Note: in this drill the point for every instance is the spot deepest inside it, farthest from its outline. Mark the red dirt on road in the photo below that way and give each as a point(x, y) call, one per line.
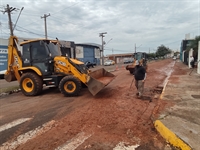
point(114, 115)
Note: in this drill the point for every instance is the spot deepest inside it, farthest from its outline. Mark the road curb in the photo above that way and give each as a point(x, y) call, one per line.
point(171, 137)
point(167, 134)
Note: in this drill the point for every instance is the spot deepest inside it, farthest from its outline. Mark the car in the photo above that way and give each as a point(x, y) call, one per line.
point(112, 62)
point(128, 60)
point(90, 64)
point(109, 62)
point(174, 58)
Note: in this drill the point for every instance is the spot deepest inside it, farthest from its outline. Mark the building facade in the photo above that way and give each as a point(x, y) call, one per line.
point(88, 53)
point(184, 54)
point(3, 55)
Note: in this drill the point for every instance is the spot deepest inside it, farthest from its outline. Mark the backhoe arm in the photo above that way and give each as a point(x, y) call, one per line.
point(14, 60)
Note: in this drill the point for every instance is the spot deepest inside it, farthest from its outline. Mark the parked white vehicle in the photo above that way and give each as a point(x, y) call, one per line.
point(109, 62)
point(174, 58)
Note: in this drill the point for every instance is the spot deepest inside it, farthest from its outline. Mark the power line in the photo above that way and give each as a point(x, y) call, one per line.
point(18, 18)
point(5, 33)
point(28, 31)
point(67, 7)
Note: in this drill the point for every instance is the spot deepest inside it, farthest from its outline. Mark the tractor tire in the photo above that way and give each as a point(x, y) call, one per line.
point(31, 84)
point(70, 86)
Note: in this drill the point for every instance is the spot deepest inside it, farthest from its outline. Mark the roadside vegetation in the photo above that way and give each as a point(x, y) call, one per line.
point(9, 89)
point(161, 52)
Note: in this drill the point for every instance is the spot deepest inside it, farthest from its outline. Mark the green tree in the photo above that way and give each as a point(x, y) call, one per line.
point(194, 45)
point(151, 55)
point(162, 51)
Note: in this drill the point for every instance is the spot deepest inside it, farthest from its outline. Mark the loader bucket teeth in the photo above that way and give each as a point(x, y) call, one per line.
point(98, 80)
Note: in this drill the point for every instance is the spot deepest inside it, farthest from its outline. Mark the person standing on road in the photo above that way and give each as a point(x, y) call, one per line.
point(140, 76)
point(191, 61)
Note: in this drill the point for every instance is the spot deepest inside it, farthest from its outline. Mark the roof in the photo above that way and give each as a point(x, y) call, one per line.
point(33, 40)
point(89, 44)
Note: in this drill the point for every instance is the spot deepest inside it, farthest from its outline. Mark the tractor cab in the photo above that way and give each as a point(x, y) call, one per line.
point(39, 54)
point(142, 57)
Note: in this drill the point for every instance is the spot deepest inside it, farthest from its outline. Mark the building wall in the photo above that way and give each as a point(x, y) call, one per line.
point(88, 53)
point(184, 46)
point(189, 58)
point(3, 55)
point(97, 53)
point(79, 52)
point(68, 47)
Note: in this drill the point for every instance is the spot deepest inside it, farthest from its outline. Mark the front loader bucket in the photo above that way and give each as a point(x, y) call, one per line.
point(10, 77)
point(98, 80)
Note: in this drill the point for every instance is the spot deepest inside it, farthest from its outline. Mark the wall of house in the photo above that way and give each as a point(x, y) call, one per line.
point(88, 53)
point(3, 55)
point(189, 58)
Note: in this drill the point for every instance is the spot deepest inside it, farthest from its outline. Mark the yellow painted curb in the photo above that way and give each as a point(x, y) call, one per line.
point(170, 136)
point(163, 90)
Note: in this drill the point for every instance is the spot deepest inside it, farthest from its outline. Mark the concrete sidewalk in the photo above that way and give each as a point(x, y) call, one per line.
point(180, 124)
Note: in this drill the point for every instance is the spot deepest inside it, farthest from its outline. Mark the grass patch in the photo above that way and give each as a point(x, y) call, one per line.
point(8, 89)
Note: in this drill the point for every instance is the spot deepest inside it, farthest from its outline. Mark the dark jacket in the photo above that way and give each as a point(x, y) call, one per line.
point(139, 72)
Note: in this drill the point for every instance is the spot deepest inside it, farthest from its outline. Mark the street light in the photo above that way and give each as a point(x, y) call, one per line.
point(108, 42)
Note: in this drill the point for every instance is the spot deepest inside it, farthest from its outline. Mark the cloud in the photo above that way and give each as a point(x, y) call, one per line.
point(149, 23)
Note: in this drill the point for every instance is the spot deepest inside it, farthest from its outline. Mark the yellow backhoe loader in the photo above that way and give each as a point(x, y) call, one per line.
point(40, 63)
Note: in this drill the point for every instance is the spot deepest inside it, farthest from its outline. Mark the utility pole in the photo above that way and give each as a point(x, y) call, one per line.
point(102, 51)
point(9, 10)
point(45, 24)
point(135, 50)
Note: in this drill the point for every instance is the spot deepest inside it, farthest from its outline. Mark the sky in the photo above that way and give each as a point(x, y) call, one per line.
point(131, 25)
